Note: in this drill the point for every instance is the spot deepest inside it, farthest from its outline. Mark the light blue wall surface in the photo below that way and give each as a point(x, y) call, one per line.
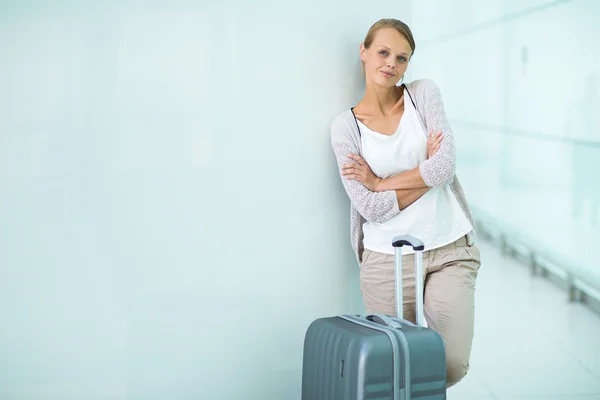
point(171, 214)
point(521, 85)
point(171, 217)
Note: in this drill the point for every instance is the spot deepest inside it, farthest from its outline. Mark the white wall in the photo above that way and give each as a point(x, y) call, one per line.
point(171, 215)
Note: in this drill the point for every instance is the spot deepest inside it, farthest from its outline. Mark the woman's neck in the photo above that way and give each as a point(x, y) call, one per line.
point(379, 101)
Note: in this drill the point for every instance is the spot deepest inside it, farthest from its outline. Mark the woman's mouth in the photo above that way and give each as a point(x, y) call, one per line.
point(387, 74)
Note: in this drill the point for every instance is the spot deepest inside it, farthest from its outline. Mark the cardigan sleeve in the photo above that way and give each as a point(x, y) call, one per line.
point(373, 206)
point(438, 170)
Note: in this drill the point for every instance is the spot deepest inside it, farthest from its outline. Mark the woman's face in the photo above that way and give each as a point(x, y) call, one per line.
point(387, 58)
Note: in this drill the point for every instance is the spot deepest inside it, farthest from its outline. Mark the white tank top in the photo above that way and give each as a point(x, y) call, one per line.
point(436, 218)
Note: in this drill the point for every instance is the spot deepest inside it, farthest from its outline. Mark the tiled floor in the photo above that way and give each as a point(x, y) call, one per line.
point(530, 343)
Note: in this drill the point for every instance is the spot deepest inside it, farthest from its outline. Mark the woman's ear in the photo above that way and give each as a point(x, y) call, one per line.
point(362, 52)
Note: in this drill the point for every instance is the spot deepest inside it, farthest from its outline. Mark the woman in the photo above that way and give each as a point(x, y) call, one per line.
point(396, 156)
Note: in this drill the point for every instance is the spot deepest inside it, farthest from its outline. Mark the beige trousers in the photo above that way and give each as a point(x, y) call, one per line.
point(449, 299)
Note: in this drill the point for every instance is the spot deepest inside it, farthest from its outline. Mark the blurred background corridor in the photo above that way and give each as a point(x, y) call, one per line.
point(172, 218)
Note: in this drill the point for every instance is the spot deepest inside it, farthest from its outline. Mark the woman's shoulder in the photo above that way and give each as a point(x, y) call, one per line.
point(345, 115)
point(343, 119)
point(422, 86)
point(343, 124)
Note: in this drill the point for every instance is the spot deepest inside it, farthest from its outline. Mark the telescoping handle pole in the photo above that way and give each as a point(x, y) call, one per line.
point(398, 242)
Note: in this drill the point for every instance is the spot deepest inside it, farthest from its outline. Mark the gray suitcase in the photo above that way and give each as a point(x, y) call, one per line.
point(374, 356)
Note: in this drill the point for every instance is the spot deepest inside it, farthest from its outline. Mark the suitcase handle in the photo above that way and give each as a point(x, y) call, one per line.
point(418, 246)
point(383, 320)
point(408, 240)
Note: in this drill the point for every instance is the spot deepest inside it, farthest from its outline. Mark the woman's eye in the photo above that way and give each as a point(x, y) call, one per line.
point(401, 59)
point(383, 52)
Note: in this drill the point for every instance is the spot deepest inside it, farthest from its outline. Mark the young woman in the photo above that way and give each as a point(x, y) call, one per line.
point(396, 157)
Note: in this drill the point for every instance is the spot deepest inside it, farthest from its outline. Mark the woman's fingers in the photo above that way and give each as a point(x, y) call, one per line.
point(354, 172)
point(356, 177)
point(352, 168)
point(434, 137)
point(356, 158)
point(351, 165)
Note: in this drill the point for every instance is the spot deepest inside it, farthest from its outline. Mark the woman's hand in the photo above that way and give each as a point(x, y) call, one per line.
point(360, 171)
point(433, 143)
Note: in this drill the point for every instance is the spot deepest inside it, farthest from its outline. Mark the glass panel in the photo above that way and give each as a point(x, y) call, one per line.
point(523, 96)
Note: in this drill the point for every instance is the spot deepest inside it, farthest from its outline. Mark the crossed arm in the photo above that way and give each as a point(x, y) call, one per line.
point(409, 185)
point(406, 197)
point(361, 184)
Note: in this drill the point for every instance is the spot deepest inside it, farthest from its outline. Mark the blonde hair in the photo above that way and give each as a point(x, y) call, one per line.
point(400, 26)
